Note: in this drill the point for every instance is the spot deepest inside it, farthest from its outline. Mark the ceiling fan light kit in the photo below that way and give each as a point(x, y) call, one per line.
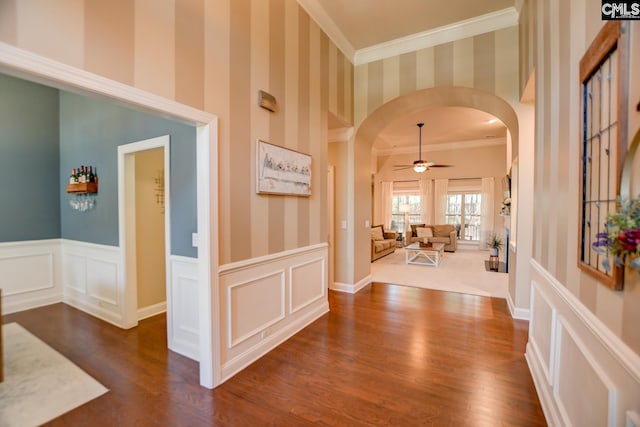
point(420, 165)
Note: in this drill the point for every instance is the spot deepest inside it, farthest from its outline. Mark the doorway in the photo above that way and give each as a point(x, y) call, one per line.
point(144, 249)
point(29, 66)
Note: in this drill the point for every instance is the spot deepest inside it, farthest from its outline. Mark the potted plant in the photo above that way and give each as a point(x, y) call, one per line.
point(494, 244)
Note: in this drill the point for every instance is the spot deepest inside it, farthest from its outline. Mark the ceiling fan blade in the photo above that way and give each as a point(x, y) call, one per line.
point(402, 167)
point(441, 166)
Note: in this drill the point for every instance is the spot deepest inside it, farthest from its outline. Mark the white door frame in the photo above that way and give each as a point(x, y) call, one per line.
point(331, 186)
point(127, 227)
point(30, 66)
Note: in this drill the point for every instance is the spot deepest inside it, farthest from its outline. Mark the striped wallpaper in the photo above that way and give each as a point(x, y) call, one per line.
point(488, 62)
point(214, 55)
point(562, 34)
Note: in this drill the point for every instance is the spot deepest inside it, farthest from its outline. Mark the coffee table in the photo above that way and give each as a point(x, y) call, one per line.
point(431, 255)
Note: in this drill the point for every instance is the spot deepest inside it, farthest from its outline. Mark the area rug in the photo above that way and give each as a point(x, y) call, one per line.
point(39, 383)
point(462, 271)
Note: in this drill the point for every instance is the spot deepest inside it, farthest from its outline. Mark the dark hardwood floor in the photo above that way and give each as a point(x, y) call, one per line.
point(389, 355)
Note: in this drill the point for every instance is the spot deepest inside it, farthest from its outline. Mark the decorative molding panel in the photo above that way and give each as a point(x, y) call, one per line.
point(93, 280)
point(584, 374)
point(182, 299)
point(30, 274)
point(542, 333)
point(254, 305)
point(255, 317)
point(577, 366)
point(311, 273)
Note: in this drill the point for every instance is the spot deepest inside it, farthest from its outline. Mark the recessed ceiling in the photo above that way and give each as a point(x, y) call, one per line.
point(441, 125)
point(365, 23)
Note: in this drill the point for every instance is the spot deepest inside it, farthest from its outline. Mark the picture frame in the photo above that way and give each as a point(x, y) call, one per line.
point(282, 171)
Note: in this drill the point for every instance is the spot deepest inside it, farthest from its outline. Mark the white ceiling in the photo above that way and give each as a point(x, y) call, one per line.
point(364, 24)
point(442, 125)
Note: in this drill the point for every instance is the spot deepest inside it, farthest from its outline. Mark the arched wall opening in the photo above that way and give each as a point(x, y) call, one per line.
point(380, 119)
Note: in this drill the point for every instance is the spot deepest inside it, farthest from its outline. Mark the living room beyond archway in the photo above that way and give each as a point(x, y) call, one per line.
point(409, 105)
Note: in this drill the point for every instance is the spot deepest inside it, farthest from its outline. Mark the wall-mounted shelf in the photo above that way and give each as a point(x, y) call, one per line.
point(82, 188)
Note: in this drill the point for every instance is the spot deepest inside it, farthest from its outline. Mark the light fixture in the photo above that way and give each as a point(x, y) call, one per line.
point(419, 166)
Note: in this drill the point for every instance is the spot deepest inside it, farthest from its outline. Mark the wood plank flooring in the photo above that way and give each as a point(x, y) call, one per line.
point(389, 355)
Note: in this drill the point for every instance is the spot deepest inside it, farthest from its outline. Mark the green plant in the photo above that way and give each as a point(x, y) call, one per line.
point(622, 238)
point(495, 242)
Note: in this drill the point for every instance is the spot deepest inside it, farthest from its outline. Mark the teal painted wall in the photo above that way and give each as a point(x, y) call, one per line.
point(90, 132)
point(29, 158)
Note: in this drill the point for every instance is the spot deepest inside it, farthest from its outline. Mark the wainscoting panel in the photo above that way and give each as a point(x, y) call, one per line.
point(584, 374)
point(266, 300)
point(182, 300)
point(93, 279)
point(101, 278)
point(311, 274)
point(577, 366)
point(542, 331)
point(254, 305)
point(29, 274)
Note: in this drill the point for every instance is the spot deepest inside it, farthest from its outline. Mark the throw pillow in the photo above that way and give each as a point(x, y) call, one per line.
point(414, 227)
point(376, 233)
point(424, 232)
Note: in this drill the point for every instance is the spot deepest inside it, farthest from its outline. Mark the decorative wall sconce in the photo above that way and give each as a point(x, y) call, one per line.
point(267, 101)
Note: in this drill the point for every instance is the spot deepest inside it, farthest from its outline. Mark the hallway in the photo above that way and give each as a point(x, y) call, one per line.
point(389, 355)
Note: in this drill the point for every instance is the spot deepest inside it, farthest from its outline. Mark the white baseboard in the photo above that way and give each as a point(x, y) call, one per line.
point(152, 310)
point(352, 288)
point(517, 313)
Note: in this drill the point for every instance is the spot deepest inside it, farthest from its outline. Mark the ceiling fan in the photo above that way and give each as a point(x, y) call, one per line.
point(420, 165)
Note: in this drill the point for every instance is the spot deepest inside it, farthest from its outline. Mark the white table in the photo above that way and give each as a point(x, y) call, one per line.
point(414, 254)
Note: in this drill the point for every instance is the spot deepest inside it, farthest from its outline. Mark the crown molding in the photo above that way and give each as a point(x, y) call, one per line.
point(460, 30)
point(340, 134)
point(445, 146)
point(318, 14)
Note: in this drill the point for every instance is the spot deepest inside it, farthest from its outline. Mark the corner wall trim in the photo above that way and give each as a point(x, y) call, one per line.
point(517, 313)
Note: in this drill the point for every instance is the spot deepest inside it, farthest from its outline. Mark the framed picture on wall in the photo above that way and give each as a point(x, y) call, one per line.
point(282, 171)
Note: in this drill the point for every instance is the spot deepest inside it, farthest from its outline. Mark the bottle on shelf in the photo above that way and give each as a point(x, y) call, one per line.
point(92, 177)
point(72, 177)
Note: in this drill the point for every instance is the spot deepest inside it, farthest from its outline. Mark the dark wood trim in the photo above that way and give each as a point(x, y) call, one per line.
point(605, 42)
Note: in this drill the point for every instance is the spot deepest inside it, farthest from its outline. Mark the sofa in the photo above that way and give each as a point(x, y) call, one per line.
point(444, 233)
point(382, 242)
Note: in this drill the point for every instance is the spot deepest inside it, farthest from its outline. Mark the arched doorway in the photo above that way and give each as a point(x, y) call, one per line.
point(407, 104)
